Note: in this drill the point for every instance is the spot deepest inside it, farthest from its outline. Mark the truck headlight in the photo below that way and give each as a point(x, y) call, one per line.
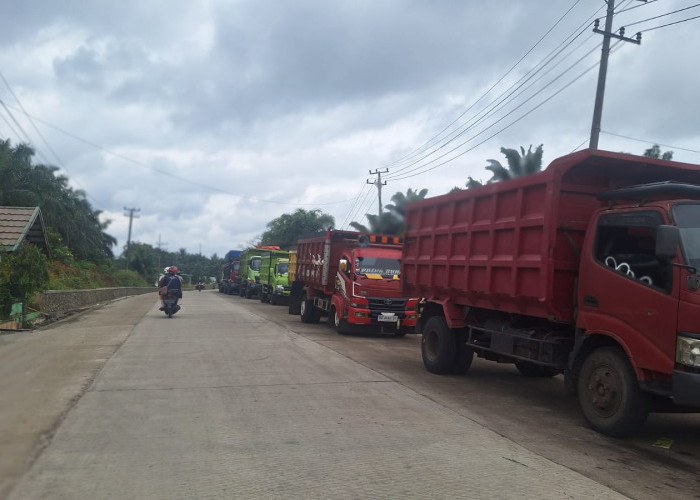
point(279, 288)
point(688, 351)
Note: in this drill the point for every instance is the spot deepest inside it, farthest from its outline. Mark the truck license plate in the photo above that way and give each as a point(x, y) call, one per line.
point(387, 317)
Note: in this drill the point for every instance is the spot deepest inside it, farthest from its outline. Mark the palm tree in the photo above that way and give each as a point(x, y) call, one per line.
point(519, 164)
point(392, 221)
point(655, 152)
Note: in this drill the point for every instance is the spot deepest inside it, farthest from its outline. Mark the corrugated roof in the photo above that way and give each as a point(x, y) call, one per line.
point(18, 224)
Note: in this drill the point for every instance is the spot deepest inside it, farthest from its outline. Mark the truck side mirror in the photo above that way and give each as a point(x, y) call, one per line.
point(667, 240)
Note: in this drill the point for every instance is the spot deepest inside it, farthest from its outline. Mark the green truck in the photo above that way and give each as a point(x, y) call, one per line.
point(274, 285)
point(250, 270)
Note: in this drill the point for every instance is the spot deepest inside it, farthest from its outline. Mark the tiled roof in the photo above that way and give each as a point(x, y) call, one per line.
point(21, 223)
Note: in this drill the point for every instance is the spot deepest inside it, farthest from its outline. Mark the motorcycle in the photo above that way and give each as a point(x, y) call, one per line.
point(170, 306)
point(199, 287)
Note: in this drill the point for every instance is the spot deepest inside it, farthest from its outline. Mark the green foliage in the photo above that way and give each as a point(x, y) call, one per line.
point(392, 221)
point(519, 165)
point(22, 273)
point(68, 216)
point(655, 152)
point(286, 229)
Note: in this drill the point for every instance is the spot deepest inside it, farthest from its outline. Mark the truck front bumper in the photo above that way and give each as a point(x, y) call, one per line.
point(403, 319)
point(686, 388)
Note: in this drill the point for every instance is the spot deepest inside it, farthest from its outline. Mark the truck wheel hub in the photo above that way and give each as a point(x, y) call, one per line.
point(603, 391)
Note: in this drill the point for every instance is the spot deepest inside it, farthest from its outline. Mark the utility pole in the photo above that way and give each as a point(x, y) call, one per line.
point(160, 251)
point(128, 240)
point(603, 68)
point(379, 184)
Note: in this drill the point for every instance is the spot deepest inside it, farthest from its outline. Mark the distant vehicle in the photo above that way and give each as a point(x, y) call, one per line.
point(274, 268)
point(250, 270)
point(577, 270)
point(354, 279)
point(230, 281)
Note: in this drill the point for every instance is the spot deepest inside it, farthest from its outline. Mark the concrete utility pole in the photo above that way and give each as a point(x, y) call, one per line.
point(160, 250)
point(131, 217)
point(603, 68)
point(379, 184)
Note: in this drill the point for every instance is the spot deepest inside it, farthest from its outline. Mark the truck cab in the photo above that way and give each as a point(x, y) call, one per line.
point(639, 285)
point(250, 273)
point(368, 281)
point(274, 285)
point(587, 269)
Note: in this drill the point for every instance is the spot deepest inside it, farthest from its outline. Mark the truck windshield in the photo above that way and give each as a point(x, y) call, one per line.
point(687, 217)
point(255, 263)
point(385, 267)
point(282, 268)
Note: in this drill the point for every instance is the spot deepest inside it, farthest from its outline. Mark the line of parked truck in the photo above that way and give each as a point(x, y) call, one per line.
point(589, 269)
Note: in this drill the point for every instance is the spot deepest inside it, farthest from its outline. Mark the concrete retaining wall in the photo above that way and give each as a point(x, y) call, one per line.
point(57, 303)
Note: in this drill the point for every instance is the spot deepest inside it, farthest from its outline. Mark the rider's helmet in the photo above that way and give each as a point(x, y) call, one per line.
point(172, 270)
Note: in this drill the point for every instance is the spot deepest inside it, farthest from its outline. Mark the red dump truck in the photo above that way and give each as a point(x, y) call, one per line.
point(354, 279)
point(589, 268)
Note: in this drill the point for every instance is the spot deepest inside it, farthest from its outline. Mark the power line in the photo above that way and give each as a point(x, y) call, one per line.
point(433, 140)
point(663, 15)
point(504, 128)
point(500, 102)
point(172, 175)
point(499, 120)
point(669, 24)
point(651, 142)
point(498, 106)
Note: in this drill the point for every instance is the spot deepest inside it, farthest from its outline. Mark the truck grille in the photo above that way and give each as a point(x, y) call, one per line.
point(379, 304)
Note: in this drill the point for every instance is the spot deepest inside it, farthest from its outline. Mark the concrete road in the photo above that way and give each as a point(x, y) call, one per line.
point(232, 398)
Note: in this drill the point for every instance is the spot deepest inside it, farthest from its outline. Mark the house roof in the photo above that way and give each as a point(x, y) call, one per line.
point(18, 224)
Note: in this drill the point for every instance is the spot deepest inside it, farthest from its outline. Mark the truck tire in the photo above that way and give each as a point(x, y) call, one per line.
point(609, 393)
point(465, 354)
point(241, 291)
point(273, 299)
point(438, 346)
point(249, 292)
point(528, 369)
point(335, 321)
point(309, 312)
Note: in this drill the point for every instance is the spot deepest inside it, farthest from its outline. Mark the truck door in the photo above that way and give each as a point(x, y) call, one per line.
point(625, 291)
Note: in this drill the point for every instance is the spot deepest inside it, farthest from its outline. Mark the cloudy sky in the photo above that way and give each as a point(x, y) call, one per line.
point(214, 117)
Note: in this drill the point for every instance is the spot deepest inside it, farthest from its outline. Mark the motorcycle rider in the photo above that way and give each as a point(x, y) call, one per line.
point(171, 281)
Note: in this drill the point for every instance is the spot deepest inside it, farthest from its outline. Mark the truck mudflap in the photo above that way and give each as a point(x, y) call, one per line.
point(686, 388)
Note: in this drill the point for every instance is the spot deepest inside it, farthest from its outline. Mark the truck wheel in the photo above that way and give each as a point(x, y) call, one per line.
point(438, 346)
point(609, 394)
point(335, 321)
point(273, 299)
point(308, 311)
point(294, 304)
point(241, 291)
point(465, 354)
point(528, 369)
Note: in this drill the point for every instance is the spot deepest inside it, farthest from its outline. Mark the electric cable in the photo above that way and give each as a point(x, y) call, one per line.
point(435, 137)
point(172, 175)
point(495, 103)
point(507, 126)
point(412, 171)
point(650, 142)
